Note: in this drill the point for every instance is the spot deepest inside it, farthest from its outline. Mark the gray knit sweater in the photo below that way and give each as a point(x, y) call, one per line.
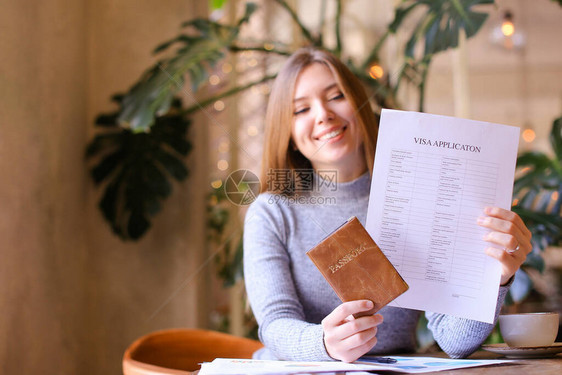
point(290, 297)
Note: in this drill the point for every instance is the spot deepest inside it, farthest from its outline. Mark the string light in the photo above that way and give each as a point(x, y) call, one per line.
point(528, 135)
point(506, 35)
point(222, 165)
point(252, 130)
point(219, 105)
point(214, 80)
point(253, 62)
point(226, 68)
point(268, 46)
point(216, 184)
point(376, 71)
point(508, 28)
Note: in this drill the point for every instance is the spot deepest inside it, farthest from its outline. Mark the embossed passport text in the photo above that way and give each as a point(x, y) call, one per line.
point(356, 268)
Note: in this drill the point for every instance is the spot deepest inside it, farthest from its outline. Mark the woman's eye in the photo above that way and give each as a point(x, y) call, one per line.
point(300, 110)
point(337, 97)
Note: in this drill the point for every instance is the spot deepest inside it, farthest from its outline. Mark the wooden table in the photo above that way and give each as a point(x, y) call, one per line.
point(536, 366)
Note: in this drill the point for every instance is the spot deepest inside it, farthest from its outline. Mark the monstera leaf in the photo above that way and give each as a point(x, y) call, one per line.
point(441, 24)
point(152, 95)
point(438, 28)
point(539, 187)
point(137, 167)
point(538, 196)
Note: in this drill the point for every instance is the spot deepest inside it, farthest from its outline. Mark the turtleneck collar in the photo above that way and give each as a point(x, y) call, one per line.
point(327, 186)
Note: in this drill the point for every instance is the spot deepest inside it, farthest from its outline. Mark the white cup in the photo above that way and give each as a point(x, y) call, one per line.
point(527, 330)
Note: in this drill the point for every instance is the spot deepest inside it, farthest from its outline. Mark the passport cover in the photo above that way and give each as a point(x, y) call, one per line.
point(356, 268)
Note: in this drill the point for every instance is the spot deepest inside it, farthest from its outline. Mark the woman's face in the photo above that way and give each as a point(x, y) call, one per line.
point(324, 127)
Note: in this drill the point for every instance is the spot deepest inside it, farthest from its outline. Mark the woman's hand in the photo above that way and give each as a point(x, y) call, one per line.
point(347, 338)
point(509, 232)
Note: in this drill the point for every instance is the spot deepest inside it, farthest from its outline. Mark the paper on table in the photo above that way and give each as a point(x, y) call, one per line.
point(406, 365)
point(432, 177)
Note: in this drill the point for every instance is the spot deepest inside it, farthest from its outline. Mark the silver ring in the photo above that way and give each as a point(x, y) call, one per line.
point(511, 251)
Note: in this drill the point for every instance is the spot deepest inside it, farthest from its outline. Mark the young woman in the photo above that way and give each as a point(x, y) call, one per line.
point(316, 173)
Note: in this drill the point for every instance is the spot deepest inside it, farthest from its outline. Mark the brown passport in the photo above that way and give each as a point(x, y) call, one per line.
point(356, 268)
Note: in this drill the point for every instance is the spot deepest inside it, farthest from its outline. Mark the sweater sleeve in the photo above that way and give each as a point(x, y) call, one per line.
point(460, 337)
point(271, 290)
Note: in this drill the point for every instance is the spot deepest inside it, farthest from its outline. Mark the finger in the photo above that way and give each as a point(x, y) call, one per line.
point(355, 326)
point(359, 338)
point(509, 216)
point(510, 263)
point(504, 226)
point(501, 225)
point(504, 240)
point(516, 258)
point(339, 314)
point(509, 242)
point(353, 354)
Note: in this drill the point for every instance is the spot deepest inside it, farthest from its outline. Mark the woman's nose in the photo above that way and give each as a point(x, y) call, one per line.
point(324, 114)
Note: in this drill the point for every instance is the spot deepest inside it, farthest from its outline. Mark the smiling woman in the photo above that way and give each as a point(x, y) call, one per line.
point(320, 144)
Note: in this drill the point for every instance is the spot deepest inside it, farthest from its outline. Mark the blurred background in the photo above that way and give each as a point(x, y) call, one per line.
point(84, 272)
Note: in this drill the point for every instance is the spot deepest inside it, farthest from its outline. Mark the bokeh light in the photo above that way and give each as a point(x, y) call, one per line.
point(376, 71)
point(528, 135)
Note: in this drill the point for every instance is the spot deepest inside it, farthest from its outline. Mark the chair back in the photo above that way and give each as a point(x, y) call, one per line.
point(180, 351)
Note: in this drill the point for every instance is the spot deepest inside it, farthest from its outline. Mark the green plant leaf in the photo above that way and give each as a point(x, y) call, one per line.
point(438, 28)
point(401, 13)
point(539, 187)
point(154, 181)
point(556, 142)
point(137, 225)
point(216, 4)
point(137, 169)
point(536, 261)
point(521, 287)
point(172, 164)
point(108, 202)
point(168, 131)
point(250, 9)
point(106, 120)
point(107, 165)
point(182, 38)
point(534, 159)
point(424, 336)
point(106, 141)
point(151, 96)
point(238, 261)
point(546, 228)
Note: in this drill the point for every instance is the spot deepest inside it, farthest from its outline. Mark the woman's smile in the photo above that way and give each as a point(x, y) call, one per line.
point(329, 135)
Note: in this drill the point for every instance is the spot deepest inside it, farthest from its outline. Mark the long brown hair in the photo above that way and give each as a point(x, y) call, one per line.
point(278, 153)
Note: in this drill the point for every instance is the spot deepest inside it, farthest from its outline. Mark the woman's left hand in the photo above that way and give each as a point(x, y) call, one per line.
point(509, 232)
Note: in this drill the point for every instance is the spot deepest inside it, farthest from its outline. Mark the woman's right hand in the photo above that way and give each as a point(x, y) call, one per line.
point(347, 338)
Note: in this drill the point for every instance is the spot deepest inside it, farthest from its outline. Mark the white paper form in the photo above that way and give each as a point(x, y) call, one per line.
point(432, 177)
